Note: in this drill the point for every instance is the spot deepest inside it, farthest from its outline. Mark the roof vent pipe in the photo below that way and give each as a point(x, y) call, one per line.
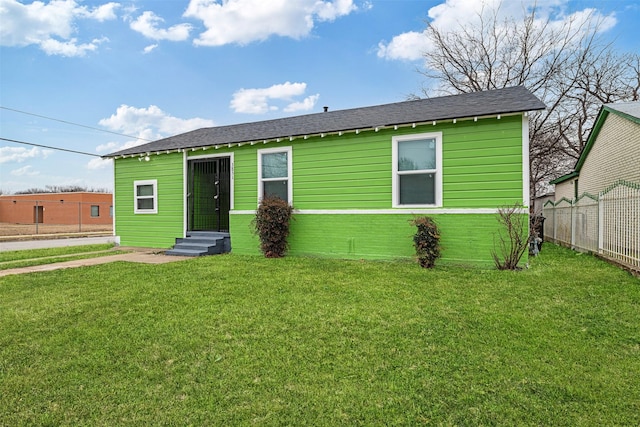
point(325, 108)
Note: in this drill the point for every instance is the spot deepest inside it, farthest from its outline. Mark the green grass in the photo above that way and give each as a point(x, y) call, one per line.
point(52, 252)
point(28, 258)
point(234, 340)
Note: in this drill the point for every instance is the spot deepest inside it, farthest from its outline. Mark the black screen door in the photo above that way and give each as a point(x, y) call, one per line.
point(209, 194)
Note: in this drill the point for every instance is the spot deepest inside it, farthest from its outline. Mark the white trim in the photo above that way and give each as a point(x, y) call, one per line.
point(231, 180)
point(289, 150)
point(113, 198)
point(229, 154)
point(185, 188)
point(208, 156)
point(526, 191)
point(395, 179)
point(436, 211)
point(154, 183)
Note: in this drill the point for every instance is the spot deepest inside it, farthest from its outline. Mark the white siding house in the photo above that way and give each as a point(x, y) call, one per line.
point(597, 205)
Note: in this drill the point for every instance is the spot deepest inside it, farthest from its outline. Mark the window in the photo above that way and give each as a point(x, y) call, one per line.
point(417, 170)
point(145, 195)
point(274, 173)
point(95, 211)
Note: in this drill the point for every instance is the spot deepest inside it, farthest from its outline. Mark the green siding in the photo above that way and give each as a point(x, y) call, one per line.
point(467, 239)
point(150, 230)
point(482, 167)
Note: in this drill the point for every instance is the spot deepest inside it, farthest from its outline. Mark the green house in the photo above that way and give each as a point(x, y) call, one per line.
point(355, 178)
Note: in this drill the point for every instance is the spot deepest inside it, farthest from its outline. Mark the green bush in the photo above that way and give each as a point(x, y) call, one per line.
point(272, 226)
point(426, 241)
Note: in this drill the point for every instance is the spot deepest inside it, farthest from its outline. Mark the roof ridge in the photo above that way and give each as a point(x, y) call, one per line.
point(514, 99)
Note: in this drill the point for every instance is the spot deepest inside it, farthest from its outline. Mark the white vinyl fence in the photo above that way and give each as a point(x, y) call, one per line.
point(608, 224)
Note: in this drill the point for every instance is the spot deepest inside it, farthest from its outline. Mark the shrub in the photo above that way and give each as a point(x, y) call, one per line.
point(272, 226)
point(512, 239)
point(426, 241)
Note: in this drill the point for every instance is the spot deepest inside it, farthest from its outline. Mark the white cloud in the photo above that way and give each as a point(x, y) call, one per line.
point(50, 25)
point(605, 23)
point(406, 46)
point(108, 147)
point(256, 101)
point(330, 10)
point(149, 48)
point(305, 105)
point(246, 21)
point(21, 154)
point(147, 25)
point(451, 15)
point(69, 48)
point(102, 13)
point(98, 163)
point(24, 171)
point(147, 124)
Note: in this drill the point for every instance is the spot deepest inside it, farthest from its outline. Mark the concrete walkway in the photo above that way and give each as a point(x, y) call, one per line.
point(141, 256)
point(54, 243)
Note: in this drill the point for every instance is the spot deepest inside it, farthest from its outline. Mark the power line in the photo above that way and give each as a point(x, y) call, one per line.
point(72, 123)
point(52, 148)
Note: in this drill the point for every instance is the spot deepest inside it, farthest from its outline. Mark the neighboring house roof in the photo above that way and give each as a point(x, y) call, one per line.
point(500, 101)
point(627, 110)
point(550, 194)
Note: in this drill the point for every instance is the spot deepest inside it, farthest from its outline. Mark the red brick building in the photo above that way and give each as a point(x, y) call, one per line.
point(57, 208)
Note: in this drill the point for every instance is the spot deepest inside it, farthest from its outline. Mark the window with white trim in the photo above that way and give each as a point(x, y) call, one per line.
point(417, 170)
point(274, 173)
point(145, 196)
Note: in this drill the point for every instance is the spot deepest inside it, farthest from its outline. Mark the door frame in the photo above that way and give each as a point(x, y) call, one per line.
point(185, 168)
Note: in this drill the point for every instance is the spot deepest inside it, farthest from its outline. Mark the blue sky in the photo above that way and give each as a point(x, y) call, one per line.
point(155, 68)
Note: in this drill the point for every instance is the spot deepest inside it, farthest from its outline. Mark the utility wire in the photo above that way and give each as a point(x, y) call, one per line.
point(71, 123)
point(52, 148)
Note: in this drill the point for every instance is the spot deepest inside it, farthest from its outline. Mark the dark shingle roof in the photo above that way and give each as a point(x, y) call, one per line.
point(476, 104)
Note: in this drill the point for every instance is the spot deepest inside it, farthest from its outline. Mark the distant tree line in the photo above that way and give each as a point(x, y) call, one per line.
point(61, 189)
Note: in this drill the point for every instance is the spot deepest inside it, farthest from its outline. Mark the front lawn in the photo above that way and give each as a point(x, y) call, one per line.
point(235, 340)
point(29, 258)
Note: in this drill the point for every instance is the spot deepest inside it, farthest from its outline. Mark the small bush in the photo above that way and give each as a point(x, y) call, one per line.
point(426, 241)
point(272, 226)
point(513, 238)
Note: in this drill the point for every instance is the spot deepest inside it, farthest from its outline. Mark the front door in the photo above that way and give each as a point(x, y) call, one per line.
point(209, 194)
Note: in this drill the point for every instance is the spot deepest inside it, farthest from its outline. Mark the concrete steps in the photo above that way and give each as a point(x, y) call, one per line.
point(201, 243)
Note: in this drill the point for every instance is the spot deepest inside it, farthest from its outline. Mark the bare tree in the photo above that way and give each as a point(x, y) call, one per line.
point(62, 189)
point(565, 63)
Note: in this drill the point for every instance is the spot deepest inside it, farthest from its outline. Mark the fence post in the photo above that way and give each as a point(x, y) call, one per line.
point(79, 216)
point(600, 223)
point(572, 238)
point(554, 222)
point(37, 217)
